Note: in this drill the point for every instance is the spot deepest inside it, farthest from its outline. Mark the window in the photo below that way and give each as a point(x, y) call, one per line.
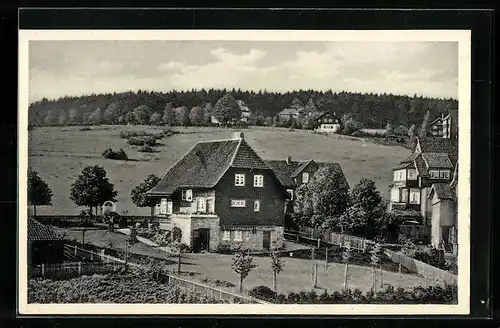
point(187, 195)
point(201, 205)
point(412, 174)
point(238, 203)
point(238, 235)
point(226, 235)
point(434, 174)
point(414, 196)
point(444, 174)
point(256, 206)
point(239, 179)
point(163, 206)
point(290, 194)
point(395, 195)
point(305, 177)
point(330, 120)
point(170, 207)
point(404, 196)
point(258, 180)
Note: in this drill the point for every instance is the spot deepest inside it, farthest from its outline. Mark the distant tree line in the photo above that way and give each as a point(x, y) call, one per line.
point(195, 107)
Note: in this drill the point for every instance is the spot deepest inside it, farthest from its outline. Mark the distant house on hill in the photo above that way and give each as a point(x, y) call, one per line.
point(292, 174)
point(289, 113)
point(221, 193)
point(245, 111)
point(445, 126)
point(44, 244)
point(328, 122)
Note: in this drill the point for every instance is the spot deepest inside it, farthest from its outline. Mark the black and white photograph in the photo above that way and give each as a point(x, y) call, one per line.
point(244, 172)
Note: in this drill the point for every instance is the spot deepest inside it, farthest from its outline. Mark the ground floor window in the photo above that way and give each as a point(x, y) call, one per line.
point(414, 196)
point(226, 235)
point(238, 235)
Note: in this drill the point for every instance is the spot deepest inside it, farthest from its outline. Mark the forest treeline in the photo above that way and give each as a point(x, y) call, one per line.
point(193, 107)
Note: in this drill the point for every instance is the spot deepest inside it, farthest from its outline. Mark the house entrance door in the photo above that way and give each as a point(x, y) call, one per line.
point(266, 240)
point(201, 239)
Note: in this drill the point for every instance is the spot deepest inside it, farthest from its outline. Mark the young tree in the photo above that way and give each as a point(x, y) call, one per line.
point(276, 121)
point(268, 121)
point(138, 194)
point(196, 115)
point(277, 265)
point(389, 128)
point(226, 109)
point(142, 114)
point(63, 117)
point(92, 188)
point(39, 192)
point(155, 119)
point(49, 119)
point(207, 114)
point(96, 117)
point(130, 118)
point(320, 202)
point(346, 256)
point(74, 116)
point(182, 115)
point(242, 265)
point(422, 133)
point(376, 253)
point(169, 114)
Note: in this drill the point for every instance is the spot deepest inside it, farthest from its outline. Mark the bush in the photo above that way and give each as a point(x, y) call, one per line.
point(133, 134)
point(86, 128)
point(115, 154)
point(142, 141)
point(218, 283)
point(147, 149)
point(169, 132)
point(262, 292)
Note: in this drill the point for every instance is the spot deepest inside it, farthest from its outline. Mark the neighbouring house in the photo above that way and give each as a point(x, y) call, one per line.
point(221, 193)
point(328, 122)
point(289, 113)
point(245, 111)
point(427, 170)
point(293, 174)
point(445, 126)
point(45, 245)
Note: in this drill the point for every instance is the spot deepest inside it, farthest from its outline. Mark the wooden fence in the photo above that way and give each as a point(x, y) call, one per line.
point(69, 270)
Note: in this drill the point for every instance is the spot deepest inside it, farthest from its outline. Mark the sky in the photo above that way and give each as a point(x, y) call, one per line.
point(74, 68)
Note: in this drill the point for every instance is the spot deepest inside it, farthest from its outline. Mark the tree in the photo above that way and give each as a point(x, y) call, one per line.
point(242, 265)
point(138, 194)
point(92, 188)
point(320, 202)
point(95, 117)
point(389, 129)
point(226, 109)
point(351, 126)
point(182, 115)
point(346, 256)
point(207, 114)
point(111, 114)
point(63, 118)
point(49, 118)
point(155, 119)
point(268, 121)
point(74, 116)
point(196, 115)
point(276, 121)
point(277, 265)
point(130, 118)
point(39, 192)
point(142, 114)
point(376, 253)
point(169, 114)
point(422, 133)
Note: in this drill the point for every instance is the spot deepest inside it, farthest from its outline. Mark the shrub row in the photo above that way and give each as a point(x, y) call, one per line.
point(142, 141)
point(115, 154)
point(389, 295)
point(156, 135)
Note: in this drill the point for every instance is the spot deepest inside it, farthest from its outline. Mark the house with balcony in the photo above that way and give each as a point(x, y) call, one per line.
point(328, 123)
point(222, 193)
point(292, 174)
point(431, 166)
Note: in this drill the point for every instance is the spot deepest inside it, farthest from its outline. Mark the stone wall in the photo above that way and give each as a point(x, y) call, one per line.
point(255, 238)
point(211, 223)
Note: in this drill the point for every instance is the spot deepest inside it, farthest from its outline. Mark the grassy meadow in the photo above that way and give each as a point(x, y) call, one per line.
point(60, 153)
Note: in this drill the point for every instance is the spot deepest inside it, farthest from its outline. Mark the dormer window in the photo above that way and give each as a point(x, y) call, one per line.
point(239, 180)
point(305, 177)
point(187, 195)
point(444, 174)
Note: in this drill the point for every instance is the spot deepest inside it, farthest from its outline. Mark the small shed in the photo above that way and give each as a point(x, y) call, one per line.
point(45, 245)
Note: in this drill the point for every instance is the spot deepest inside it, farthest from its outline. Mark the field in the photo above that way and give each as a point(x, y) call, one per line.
point(60, 153)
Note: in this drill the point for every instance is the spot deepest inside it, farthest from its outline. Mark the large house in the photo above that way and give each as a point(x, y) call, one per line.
point(328, 122)
point(426, 174)
point(445, 126)
point(222, 193)
point(292, 174)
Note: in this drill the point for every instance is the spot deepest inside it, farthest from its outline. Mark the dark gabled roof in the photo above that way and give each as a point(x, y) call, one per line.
point(205, 164)
point(440, 118)
point(437, 160)
point(420, 165)
point(283, 171)
point(41, 232)
point(321, 114)
point(442, 190)
point(438, 145)
point(301, 167)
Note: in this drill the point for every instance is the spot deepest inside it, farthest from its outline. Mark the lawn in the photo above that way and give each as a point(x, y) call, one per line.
point(60, 153)
point(296, 276)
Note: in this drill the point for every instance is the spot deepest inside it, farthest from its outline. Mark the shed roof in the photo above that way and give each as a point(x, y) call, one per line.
point(40, 232)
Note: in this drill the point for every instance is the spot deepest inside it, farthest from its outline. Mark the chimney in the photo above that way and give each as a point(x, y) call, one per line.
point(238, 135)
point(288, 160)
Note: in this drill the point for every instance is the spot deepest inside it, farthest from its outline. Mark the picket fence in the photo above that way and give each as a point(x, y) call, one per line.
point(103, 263)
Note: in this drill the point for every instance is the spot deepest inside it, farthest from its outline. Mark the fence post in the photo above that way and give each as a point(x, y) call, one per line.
point(91, 257)
point(312, 253)
point(75, 250)
point(319, 242)
point(297, 237)
point(43, 270)
point(79, 268)
point(326, 257)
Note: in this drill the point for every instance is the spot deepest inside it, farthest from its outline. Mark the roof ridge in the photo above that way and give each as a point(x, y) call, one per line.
point(235, 152)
